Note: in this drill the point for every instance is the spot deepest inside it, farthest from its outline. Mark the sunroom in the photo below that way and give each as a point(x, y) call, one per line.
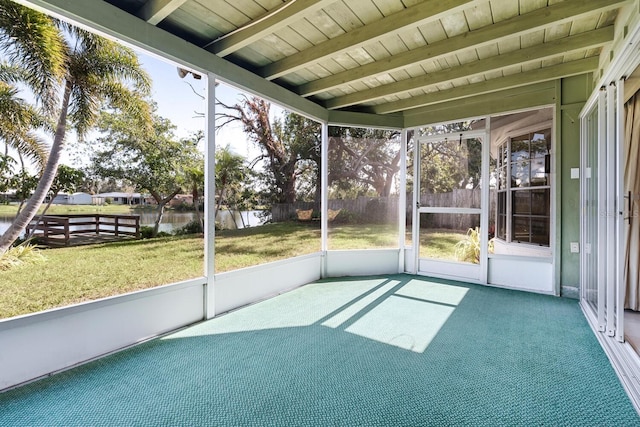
point(533, 99)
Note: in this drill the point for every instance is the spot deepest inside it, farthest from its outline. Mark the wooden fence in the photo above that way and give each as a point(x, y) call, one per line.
point(72, 229)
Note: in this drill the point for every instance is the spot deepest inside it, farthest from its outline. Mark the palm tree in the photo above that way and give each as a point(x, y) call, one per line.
point(87, 69)
point(231, 172)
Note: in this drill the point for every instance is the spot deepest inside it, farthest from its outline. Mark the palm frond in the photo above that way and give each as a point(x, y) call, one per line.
point(32, 41)
point(17, 121)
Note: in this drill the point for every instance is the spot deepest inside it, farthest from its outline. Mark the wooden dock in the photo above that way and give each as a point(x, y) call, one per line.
point(83, 229)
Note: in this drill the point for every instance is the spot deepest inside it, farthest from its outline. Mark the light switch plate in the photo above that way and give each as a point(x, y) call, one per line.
point(575, 173)
point(575, 247)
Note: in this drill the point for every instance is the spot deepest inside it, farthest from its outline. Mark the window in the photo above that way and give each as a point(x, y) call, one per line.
point(523, 211)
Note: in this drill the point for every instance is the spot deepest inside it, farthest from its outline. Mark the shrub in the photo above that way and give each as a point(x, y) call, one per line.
point(346, 217)
point(192, 227)
point(468, 249)
point(24, 253)
point(146, 232)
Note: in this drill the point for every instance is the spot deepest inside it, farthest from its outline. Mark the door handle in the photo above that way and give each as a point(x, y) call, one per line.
point(629, 207)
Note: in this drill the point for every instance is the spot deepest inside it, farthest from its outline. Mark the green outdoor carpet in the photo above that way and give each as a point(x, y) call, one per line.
point(376, 351)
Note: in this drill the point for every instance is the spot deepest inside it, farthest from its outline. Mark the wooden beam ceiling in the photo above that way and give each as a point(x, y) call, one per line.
point(518, 25)
point(273, 21)
point(401, 74)
point(406, 18)
point(154, 11)
point(547, 50)
point(554, 72)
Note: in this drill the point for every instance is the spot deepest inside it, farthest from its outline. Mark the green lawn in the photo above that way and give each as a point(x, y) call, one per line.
point(83, 273)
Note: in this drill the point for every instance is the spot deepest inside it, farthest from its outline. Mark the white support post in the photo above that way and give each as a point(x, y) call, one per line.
point(402, 201)
point(415, 218)
point(602, 207)
point(485, 205)
point(620, 221)
point(209, 196)
point(611, 208)
point(324, 195)
point(584, 150)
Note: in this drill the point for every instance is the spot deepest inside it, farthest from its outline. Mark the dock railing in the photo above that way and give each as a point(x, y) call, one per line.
point(57, 230)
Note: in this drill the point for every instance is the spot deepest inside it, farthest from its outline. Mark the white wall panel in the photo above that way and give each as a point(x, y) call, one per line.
point(38, 344)
point(362, 262)
point(527, 274)
point(248, 285)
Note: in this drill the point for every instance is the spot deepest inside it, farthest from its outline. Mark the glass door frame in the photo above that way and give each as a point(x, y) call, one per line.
point(608, 315)
point(452, 269)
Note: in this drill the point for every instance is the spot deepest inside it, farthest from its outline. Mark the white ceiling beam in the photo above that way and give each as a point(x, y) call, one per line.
point(518, 25)
point(272, 21)
point(154, 11)
point(410, 17)
point(563, 46)
point(554, 72)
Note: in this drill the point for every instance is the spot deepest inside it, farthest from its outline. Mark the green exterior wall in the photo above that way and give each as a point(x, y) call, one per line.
point(574, 92)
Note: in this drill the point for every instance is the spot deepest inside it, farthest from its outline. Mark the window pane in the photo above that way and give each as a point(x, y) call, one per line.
point(364, 165)
point(502, 227)
point(521, 229)
point(540, 231)
point(539, 172)
point(520, 148)
point(521, 202)
point(540, 202)
point(502, 178)
point(539, 147)
point(282, 175)
point(520, 174)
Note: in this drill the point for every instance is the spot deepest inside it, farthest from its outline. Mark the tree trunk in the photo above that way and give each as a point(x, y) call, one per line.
point(156, 226)
point(161, 205)
point(23, 219)
point(196, 204)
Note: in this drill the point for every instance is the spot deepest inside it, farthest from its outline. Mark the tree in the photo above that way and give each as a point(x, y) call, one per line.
point(363, 159)
point(231, 173)
point(153, 161)
point(87, 69)
point(194, 174)
point(23, 183)
point(284, 143)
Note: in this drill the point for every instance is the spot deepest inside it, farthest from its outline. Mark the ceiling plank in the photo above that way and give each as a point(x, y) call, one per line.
point(154, 11)
point(273, 21)
point(554, 72)
point(522, 24)
point(561, 46)
point(409, 17)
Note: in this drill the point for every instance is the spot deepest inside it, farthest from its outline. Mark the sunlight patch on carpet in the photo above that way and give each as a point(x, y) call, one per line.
point(403, 322)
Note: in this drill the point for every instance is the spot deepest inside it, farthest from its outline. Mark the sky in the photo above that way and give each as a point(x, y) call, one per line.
point(181, 104)
point(178, 102)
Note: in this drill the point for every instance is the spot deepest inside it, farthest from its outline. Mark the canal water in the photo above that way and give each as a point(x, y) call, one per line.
point(172, 221)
